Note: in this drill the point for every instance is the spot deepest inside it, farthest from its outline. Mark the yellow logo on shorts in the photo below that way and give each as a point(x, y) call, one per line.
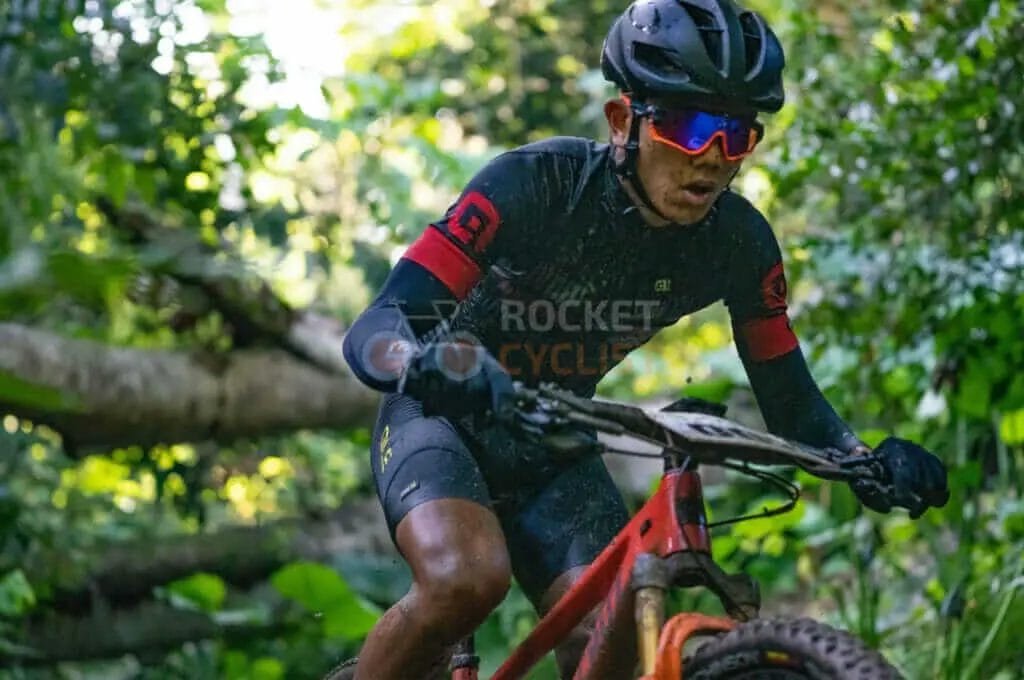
point(383, 444)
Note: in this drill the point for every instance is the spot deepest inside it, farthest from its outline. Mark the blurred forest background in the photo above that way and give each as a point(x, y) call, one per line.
point(196, 197)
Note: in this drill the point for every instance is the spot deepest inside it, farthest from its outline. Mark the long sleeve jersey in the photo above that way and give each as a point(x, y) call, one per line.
point(543, 260)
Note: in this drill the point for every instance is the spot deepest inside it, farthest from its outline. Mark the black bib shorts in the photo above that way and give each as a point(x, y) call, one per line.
point(555, 514)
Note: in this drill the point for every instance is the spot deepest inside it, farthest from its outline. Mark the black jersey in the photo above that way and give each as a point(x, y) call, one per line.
point(560, 278)
point(543, 260)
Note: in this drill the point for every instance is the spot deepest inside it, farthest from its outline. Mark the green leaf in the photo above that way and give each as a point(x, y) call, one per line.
point(16, 594)
point(90, 279)
point(312, 585)
point(205, 591)
point(351, 621)
point(267, 668)
point(974, 396)
point(23, 393)
point(718, 390)
point(1011, 428)
point(117, 173)
point(320, 589)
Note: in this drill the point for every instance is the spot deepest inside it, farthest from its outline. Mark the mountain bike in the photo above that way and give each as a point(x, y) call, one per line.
point(667, 544)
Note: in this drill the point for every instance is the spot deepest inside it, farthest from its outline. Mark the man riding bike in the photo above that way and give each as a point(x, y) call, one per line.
point(558, 259)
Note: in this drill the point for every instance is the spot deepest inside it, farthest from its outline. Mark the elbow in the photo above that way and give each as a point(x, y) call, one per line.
point(376, 348)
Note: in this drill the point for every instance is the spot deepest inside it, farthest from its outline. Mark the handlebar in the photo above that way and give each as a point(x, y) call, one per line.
point(568, 424)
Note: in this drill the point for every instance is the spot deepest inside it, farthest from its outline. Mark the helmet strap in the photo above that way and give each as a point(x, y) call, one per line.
point(627, 170)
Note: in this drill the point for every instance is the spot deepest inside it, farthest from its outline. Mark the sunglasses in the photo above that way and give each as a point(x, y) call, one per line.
point(693, 131)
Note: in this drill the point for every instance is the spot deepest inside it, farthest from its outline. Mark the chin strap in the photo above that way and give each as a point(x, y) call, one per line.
point(627, 168)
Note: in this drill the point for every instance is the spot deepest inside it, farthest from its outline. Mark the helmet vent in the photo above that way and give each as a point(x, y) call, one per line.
point(655, 59)
point(710, 31)
point(752, 39)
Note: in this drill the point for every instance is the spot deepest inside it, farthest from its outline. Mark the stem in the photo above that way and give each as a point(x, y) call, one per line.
point(1004, 609)
point(1002, 456)
point(958, 651)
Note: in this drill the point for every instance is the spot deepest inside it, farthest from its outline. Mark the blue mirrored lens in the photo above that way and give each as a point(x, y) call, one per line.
point(691, 129)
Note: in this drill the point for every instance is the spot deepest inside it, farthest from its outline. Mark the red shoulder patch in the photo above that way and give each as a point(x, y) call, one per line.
point(474, 221)
point(773, 288)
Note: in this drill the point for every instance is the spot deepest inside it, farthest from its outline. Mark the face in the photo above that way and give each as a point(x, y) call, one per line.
point(682, 187)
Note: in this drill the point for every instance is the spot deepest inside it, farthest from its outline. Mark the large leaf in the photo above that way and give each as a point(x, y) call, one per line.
point(16, 594)
point(204, 591)
point(322, 591)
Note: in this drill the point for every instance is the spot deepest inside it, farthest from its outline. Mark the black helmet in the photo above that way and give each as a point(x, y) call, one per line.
point(705, 49)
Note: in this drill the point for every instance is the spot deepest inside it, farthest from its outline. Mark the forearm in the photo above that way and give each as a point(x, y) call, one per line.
point(384, 337)
point(794, 407)
point(378, 345)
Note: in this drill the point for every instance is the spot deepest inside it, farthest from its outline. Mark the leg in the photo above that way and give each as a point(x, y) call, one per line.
point(553, 536)
point(460, 571)
point(620, 662)
point(437, 507)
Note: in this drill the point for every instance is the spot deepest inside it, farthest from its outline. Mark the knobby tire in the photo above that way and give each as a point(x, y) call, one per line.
point(787, 649)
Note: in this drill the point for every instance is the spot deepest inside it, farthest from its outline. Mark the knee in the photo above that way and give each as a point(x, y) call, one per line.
point(462, 589)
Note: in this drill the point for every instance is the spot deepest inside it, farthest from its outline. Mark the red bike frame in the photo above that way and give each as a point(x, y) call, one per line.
point(672, 521)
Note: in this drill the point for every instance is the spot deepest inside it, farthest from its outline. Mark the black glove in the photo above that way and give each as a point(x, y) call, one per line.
point(916, 479)
point(456, 379)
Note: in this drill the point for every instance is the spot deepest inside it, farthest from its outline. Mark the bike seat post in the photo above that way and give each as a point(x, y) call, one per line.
point(465, 662)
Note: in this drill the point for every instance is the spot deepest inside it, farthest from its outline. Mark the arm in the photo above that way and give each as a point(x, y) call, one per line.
point(381, 341)
point(791, 402)
point(789, 399)
point(442, 266)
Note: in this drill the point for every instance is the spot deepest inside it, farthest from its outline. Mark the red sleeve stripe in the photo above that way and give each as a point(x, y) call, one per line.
point(768, 338)
point(443, 259)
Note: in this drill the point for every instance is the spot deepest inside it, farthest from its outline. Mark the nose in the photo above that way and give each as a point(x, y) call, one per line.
point(714, 154)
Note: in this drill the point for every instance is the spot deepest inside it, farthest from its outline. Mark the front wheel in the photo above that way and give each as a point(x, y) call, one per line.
point(787, 649)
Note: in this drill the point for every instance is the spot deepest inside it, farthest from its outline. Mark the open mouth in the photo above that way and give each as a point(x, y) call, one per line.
point(699, 192)
point(700, 187)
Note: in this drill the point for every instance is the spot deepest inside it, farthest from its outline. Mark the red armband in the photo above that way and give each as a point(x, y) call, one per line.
point(769, 337)
point(442, 258)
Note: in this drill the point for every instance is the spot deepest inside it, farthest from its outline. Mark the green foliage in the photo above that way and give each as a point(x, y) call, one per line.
point(23, 393)
point(16, 594)
point(323, 592)
point(205, 591)
point(892, 176)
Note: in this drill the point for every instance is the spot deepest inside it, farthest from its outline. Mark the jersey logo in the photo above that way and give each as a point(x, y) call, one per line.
point(773, 288)
point(473, 221)
point(663, 286)
point(384, 445)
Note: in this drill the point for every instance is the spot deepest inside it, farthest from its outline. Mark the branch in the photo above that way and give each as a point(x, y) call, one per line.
point(96, 395)
point(242, 556)
point(151, 628)
point(247, 302)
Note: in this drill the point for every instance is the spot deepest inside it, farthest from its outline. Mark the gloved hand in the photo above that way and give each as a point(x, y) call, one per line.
point(456, 379)
point(916, 477)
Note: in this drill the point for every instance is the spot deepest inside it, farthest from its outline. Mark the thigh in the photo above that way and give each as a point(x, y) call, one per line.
point(565, 525)
point(417, 459)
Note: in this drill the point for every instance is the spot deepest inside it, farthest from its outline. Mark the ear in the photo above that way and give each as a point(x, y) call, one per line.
point(619, 115)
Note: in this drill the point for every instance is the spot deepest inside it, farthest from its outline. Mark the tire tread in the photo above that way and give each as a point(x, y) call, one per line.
point(829, 648)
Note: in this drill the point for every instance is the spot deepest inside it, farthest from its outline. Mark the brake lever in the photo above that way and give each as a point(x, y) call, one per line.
point(611, 418)
point(865, 466)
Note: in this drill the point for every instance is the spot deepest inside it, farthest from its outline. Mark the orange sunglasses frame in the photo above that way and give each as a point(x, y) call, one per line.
point(752, 141)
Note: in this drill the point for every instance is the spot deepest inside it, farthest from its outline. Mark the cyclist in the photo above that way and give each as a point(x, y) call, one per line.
point(558, 259)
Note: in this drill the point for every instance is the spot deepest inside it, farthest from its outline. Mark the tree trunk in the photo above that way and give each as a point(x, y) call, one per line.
point(151, 629)
point(242, 556)
point(102, 397)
